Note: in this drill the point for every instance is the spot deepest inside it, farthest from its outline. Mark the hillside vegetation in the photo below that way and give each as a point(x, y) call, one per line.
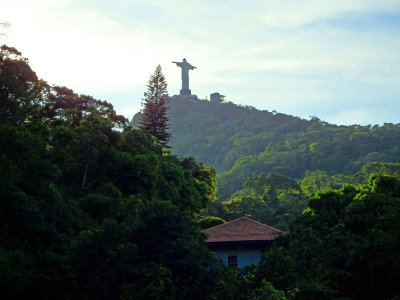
point(220, 134)
point(241, 139)
point(268, 163)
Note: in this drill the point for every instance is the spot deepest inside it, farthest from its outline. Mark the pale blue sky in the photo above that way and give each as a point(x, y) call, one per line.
point(337, 60)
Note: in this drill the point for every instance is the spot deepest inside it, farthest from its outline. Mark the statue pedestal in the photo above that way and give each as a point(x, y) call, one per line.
point(191, 98)
point(185, 92)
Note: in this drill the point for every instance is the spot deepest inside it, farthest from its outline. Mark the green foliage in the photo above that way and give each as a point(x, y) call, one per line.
point(154, 118)
point(380, 168)
point(272, 200)
point(320, 146)
point(322, 181)
point(345, 246)
point(209, 221)
point(20, 89)
point(242, 142)
point(241, 284)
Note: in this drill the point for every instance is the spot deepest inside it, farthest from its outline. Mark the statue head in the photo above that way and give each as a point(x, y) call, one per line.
point(184, 59)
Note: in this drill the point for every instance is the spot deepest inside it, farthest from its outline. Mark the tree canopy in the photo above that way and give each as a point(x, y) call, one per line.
point(345, 245)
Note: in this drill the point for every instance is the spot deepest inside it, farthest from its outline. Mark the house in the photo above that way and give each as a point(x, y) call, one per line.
point(240, 242)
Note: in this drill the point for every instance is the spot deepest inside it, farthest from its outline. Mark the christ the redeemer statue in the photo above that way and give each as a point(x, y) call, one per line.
point(185, 76)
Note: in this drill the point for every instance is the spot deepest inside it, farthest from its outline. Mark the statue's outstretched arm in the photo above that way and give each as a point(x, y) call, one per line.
point(179, 64)
point(191, 67)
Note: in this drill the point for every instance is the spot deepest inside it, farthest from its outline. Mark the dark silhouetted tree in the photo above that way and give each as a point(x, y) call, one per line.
point(154, 112)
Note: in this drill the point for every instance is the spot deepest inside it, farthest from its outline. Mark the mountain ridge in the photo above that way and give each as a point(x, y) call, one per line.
point(242, 142)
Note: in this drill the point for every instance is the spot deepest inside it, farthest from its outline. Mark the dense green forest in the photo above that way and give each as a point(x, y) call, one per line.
point(241, 139)
point(345, 245)
point(91, 208)
point(303, 156)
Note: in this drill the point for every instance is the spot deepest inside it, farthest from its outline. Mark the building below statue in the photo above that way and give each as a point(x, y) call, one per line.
point(217, 98)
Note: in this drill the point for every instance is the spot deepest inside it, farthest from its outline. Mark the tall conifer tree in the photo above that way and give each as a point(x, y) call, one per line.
point(155, 118)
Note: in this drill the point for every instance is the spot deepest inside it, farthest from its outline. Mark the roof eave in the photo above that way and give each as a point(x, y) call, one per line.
point(241, 243)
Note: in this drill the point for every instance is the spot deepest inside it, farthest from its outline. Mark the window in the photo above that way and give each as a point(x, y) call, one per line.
point(232, 261)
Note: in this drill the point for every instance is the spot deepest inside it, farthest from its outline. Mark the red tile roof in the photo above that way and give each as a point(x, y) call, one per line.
point(242, 229)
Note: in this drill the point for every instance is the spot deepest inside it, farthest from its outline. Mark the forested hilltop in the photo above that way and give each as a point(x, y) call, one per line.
point(220, 134)
point(235, 138)
point(269, 163)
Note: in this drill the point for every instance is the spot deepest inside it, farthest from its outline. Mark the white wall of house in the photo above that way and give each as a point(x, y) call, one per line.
point(244, 256)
